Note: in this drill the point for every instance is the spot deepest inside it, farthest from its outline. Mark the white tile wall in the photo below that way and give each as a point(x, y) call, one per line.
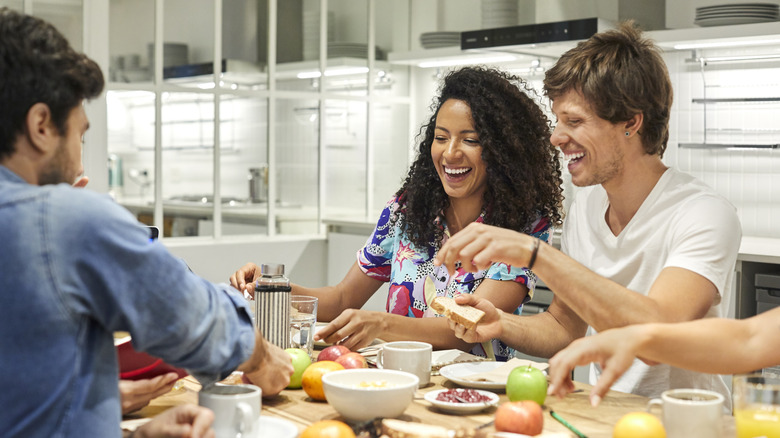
point(750, 179)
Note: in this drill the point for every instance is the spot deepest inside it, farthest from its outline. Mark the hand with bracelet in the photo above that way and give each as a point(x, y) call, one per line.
point(478, 245)
point(475, 247)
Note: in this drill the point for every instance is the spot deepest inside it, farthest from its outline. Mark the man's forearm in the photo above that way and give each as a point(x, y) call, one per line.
point(258, 355)
point(540, 335)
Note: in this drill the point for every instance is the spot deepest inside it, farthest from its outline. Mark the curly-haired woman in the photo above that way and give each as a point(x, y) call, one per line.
point(485, 156)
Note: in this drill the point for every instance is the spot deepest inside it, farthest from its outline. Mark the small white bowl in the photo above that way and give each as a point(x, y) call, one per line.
point(366, 393)
point(462, 408)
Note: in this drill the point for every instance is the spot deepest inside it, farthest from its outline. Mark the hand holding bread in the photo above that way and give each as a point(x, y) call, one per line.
point(465, 315)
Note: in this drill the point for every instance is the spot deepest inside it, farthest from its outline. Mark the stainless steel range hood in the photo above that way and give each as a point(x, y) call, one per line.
point(541, 39)
point(233, 71)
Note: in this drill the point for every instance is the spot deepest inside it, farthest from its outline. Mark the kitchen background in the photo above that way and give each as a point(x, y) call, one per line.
point(330, 149)
point(316, 105)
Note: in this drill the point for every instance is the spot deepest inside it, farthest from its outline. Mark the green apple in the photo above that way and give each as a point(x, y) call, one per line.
point(526, 383)
point(300, 361)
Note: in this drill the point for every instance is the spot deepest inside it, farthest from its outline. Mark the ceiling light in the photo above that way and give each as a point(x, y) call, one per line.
point(466, 60)
point(723, 44)
point(339, 71)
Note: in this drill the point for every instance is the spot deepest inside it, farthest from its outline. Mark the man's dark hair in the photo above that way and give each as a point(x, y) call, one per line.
point(523, 168)
point(620, 74)
point(38, 65)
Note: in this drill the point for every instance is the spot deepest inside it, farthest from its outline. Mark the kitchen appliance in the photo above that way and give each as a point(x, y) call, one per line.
point(527, 37)
point(258, 184)
point(767, 298)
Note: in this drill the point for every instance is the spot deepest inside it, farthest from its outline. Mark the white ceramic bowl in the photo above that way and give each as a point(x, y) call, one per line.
point(367, 393)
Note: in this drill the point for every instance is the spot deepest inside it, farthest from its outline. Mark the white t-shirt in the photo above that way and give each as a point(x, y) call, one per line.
point(682, 223)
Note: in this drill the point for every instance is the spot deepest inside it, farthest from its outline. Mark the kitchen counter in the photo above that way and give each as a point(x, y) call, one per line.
point(759, 249)
point(237, 217)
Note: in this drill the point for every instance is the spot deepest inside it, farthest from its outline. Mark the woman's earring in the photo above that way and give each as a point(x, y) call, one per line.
point(627, 133)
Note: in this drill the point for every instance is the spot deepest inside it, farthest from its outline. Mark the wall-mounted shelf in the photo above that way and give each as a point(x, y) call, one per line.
point(736, 100)
point(731, 146)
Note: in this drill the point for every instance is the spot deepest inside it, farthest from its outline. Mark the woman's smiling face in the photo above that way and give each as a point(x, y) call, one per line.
point(457, 152)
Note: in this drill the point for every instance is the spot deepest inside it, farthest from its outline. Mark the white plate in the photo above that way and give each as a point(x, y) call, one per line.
point(461, 408)
point(457, 371)
point(272, 427)
point(317, 327)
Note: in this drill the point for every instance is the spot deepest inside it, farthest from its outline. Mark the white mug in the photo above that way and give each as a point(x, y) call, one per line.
point(690, 413)
point(410, 356)
point(236, 409)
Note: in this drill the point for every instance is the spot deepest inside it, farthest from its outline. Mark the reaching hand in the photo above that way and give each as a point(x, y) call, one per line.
point(274, 372)
point(359, 327)
point(489, 327)
point(478, 246)
point(244, 278)
point(613, 349)
point(135, 394)
point(183, 421)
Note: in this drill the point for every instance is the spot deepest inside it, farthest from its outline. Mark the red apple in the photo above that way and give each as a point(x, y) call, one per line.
point(333, 352)
point(352, 360)
point(524, 417)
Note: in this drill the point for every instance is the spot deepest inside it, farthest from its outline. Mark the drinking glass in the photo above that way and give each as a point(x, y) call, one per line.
point(757, 405)
point(303, 317)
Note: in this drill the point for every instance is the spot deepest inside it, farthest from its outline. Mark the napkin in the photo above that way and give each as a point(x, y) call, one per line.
point(500, 374)
point(441, 358)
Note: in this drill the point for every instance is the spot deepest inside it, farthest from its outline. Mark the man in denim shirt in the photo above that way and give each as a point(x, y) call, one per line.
point(75, 266)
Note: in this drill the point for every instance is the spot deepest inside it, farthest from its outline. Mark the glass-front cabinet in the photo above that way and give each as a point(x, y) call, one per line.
point(304, 119)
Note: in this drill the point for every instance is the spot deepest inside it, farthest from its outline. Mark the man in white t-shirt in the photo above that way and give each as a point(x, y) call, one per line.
point(641, 242)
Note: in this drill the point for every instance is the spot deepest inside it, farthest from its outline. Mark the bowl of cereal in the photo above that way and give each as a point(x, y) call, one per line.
point(368, 393)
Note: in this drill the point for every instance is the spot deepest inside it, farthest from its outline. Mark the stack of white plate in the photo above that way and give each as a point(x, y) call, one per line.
point(499, 13)
point(352, 50)
point(434, 40)
point(742, 13)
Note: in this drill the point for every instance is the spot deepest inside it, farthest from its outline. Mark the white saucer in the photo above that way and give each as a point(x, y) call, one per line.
point(272, 427)
point(461, 408)
point(458, 371)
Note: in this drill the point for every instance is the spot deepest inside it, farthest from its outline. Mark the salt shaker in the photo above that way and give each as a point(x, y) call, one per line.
point(272, 305)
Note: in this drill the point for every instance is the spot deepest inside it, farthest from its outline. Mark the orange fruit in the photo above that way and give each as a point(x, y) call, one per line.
point(311, 380)
point(639, 425)
point(328, 429)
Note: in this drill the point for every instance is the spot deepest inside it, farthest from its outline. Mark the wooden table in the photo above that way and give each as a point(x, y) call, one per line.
point(294, 405)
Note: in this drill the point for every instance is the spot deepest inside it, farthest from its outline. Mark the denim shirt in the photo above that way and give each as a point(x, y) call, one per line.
point(74, 268)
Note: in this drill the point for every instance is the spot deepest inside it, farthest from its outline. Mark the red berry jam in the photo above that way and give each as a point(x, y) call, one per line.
point(459, 395)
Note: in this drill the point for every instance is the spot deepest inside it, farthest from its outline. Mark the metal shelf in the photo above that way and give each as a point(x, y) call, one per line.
point(735, 99)
point(728, 146)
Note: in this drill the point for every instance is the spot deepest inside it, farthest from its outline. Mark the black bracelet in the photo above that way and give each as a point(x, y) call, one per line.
point(533, 254)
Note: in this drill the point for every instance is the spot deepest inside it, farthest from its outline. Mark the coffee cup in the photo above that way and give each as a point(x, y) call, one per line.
point(410, 356)
point(690, 413)
point(236, 409)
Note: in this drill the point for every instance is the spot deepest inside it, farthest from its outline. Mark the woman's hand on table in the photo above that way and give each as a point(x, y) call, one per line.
point(489, 327)
point(613, 349)
point(353, 328)
point(244, 278)
point(135, 394)
point(183, 421)
point(274, 371)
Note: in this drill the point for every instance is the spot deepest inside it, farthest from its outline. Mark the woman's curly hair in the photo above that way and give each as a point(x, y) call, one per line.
point(523, 168)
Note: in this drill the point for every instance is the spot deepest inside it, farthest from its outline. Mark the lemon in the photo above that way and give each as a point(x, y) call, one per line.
point(328, 429)
point(638, 425)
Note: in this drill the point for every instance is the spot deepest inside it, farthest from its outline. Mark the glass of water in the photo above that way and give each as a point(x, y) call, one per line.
point(303, 317)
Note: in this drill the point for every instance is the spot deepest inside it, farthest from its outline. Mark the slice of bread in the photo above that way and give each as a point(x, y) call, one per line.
point(468, 316)
point(407, 429)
